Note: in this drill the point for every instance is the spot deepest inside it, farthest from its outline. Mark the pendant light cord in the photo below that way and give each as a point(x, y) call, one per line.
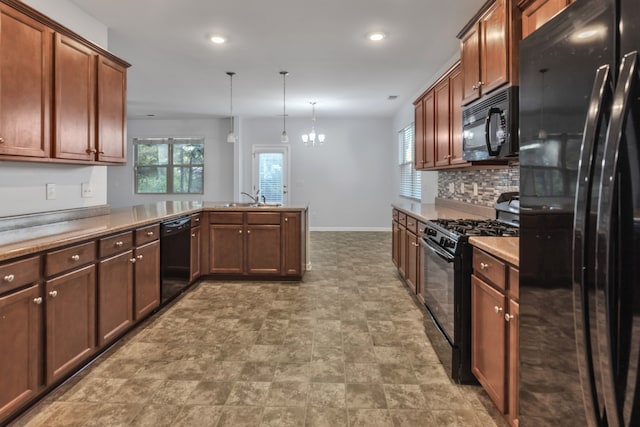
point(284, 100)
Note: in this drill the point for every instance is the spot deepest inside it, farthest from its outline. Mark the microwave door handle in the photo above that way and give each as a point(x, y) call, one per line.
point(487, 125)
point(583, 303)
point(606, 298)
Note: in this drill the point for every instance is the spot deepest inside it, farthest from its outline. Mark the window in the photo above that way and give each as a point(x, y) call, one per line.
point(169, 165)
point(409, 177)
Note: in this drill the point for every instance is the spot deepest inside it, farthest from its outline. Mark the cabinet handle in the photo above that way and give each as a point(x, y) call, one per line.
point(9, 278)
point(196, 219)
point(91, 150)
point(119, 244)
point(75, 257)
point(53, 294)
point(37, 300)
point(286, 220)
point(497, 309)
point(140, 256)
point(1, 140)
point(239, 231)
point(132, 260)
point(483, 266)
point(480, 84)
point(149, 233)
point(193, 234)
point(100, 152)
point(248, 231)
point(448, 156)
point(508, 317)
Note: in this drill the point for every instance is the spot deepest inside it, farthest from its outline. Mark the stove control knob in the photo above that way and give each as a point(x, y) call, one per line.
point(451, 243)
point(431, 232)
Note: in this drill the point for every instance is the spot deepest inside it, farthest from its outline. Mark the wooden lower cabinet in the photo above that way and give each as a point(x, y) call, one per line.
point(194, 270)
point(293, 246)
point(115, 296)
point(263, 249)
point(21, 344)
point(146, 279)
point(406, 249)
point(411, 268)
point(513, 317)
point(70, 314)
point(226, 249)
point(488, 340)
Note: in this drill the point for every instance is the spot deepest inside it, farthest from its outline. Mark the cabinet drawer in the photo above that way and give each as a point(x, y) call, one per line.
point(147, 234)
point(225, 217)
point(394, 215)
point(490, 268)
point(402, 219)
point(421, 227)
point(66, 259)
point(19, 273)
point(263, 218)
point(412, 224)
point(196, 220)
point(514, 283)
point(115, 244)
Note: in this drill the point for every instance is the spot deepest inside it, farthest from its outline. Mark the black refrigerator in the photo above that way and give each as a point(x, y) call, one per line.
point(579, 319)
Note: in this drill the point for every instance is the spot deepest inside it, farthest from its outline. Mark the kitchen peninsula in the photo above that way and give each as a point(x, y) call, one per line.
point(71, 288)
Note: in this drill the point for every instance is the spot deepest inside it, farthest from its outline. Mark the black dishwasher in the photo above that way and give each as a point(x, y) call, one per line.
point(175, 257)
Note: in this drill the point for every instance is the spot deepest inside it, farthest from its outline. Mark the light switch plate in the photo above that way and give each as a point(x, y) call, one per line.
point(51, 191)
point(475, 188)
point(462, 187)
point(451, 188)
point(87, 190)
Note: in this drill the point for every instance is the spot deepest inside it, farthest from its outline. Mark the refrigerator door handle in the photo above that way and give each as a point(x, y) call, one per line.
point(626, 86)
point(583, 311)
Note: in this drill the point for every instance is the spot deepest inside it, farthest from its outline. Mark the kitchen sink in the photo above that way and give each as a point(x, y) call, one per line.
point(252, 205)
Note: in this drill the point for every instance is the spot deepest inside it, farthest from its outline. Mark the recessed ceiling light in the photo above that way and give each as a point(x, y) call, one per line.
point(218, 39)
point(376, 36)
point(392, 97)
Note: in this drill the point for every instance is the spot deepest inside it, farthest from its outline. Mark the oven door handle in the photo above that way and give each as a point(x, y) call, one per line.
point(437, 250)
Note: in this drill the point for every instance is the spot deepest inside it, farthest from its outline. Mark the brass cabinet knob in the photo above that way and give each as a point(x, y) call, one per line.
point(91, 151)
point(9, 278)
point(193, 234)
point(132, 260)
point(248, 231)
point(149, 233)
point(75, 257)
point(484, 266)
point(497, 309)
point(119, 244)
point(239, 231)
point(37, 300)
point(1, 140)
point(286, 220)
point(53, 294)
point(140, 256)
point(508, 317)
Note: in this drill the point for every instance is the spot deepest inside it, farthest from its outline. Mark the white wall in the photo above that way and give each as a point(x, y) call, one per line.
point(346, 181)
point(218, 173)
point(22, 184)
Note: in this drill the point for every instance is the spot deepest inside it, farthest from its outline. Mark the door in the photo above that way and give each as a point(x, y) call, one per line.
point(271, 173)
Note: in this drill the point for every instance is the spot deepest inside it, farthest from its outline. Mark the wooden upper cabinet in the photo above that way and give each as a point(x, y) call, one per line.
point(442, 141)
point(535, 13)
point(429, 130)
point(489, 51)
point(455, 116)
point(112, 101)
point(74, 108)
point(418, 159)
point(25, 85)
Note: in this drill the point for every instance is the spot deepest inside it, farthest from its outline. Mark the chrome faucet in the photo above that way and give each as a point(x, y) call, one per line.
point(256, 198)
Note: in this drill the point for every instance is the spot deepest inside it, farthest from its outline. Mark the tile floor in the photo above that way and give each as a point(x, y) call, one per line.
point(346, 347)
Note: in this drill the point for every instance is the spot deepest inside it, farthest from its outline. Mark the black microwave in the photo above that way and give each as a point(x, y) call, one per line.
point(490, 127)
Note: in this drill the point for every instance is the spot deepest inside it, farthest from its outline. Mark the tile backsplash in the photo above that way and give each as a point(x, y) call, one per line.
point(491, 183)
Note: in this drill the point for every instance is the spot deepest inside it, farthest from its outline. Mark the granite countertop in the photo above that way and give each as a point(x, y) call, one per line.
point(29, 240)
point(445, 209)
point(505, 248)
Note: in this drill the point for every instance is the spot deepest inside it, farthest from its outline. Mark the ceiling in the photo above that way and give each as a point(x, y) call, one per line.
point(178, 73)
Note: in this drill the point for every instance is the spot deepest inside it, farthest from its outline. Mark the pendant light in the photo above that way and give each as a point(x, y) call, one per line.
point(284, 138)
point(231, 137)
point(312, 138)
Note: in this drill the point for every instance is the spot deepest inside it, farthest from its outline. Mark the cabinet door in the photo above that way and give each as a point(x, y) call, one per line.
point(292, 243)
point(70, 321)
point(488, 340)
point(429, 130)
point(195, 254)
point(115, 296)
point(226, 249)
point(112, 86)
point(455, 116)
point(470, 56)
point(514, 359)
point(147, 279)
point(538, 12)
point(419, 135)
point(263, 249)
point(395, 243)
point(25, 85)
point(20, 357)
point(412, 261)
point(402, 251)
point(74, 109)
point(494, 56)
point(441, 93)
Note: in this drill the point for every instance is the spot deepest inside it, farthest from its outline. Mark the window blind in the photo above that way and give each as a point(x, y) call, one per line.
point(410, 185)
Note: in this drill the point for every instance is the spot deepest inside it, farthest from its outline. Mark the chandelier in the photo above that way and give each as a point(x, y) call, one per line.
point(311, 139)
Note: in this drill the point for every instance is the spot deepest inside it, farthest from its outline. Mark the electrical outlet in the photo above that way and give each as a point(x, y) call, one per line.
point(475, 188)
point(51, 191)
point(451, 188)
point(86, 189)
point(462, 187)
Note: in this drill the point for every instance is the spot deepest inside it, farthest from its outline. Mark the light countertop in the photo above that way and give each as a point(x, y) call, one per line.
point(29, 240)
